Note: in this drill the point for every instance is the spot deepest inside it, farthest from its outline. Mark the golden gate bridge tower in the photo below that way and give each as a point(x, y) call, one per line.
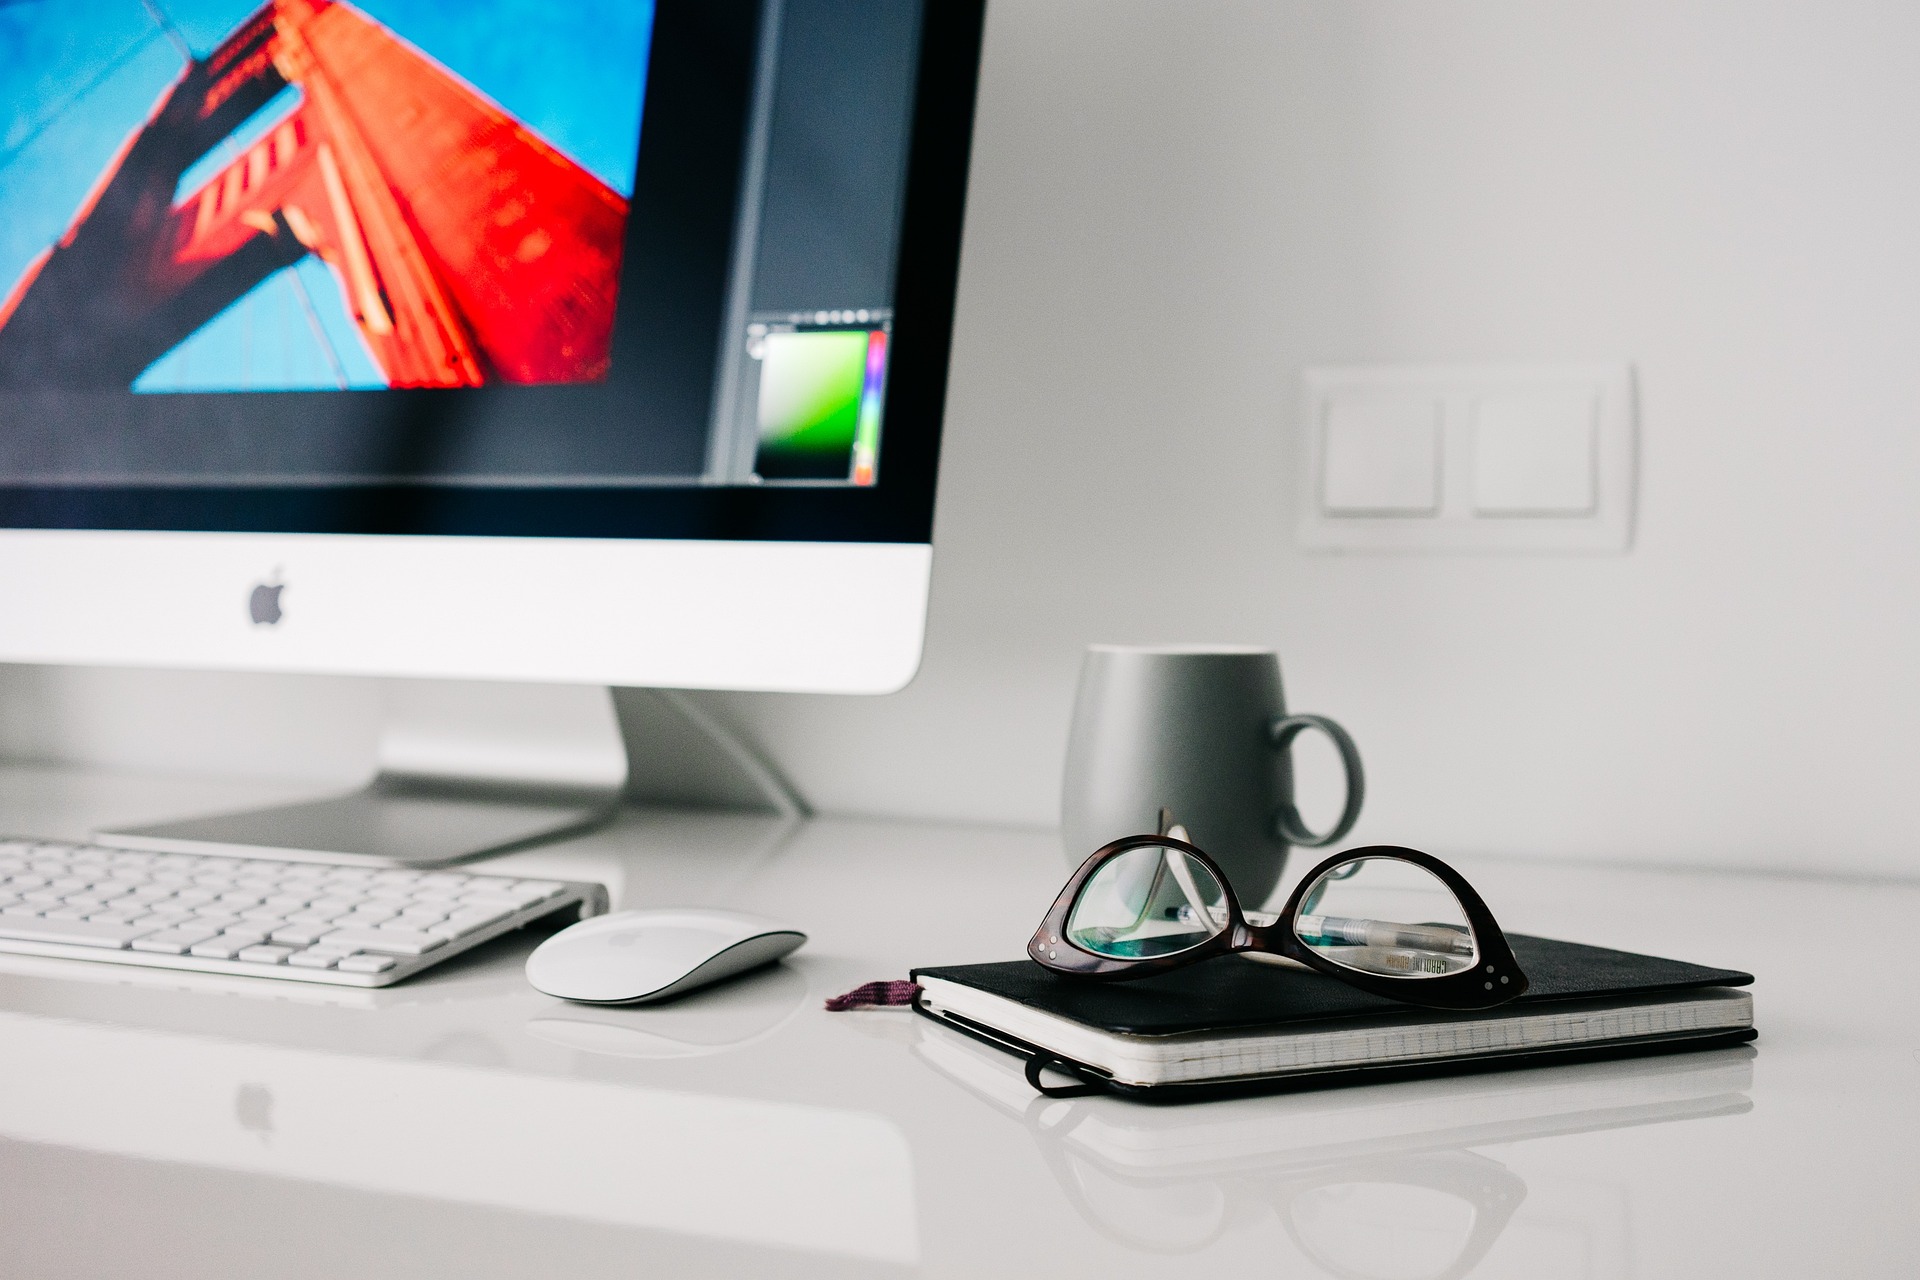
point(466, 248)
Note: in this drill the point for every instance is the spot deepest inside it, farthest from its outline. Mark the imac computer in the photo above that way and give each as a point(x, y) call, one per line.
point(496, 347)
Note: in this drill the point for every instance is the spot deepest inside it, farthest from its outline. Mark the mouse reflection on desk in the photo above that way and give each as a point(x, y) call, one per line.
point(638, 957)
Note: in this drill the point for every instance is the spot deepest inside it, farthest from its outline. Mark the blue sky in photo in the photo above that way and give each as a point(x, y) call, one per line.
point(267, 339)
point(77, 77)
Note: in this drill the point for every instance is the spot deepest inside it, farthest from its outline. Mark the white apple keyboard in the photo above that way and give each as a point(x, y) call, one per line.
point(299, 921)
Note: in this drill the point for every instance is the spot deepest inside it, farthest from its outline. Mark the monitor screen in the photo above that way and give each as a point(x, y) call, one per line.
point(615, 268)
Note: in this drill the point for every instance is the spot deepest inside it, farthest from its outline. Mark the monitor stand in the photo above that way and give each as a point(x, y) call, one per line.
point(469, 769)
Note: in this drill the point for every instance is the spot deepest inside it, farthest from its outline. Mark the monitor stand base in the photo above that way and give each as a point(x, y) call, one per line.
point(467, 770)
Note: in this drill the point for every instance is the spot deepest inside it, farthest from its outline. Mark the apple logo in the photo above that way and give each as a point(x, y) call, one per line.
point(263, 606)
point(253, 1108)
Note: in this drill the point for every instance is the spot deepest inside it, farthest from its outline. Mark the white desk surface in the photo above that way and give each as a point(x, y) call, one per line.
point(464, 1125)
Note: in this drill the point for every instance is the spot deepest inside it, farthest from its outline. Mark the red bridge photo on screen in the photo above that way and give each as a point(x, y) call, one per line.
point(465, 248)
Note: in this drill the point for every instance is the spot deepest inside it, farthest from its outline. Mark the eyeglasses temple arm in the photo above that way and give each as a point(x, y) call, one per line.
point(1183, 875)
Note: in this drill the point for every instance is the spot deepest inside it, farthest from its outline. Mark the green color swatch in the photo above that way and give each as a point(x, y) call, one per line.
point(810, 386)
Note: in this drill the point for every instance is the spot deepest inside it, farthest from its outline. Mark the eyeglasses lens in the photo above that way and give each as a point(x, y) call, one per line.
point(1389, 917)
point(1151, 901)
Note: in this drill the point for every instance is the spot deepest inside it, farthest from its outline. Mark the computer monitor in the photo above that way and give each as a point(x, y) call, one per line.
point(600, 343)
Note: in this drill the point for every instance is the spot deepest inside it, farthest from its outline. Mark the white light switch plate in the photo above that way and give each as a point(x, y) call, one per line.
point(1382, 456)
point(1533, 453)
point(1469, 457)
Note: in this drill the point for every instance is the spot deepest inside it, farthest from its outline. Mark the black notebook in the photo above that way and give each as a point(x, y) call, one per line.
point(1232, 1024)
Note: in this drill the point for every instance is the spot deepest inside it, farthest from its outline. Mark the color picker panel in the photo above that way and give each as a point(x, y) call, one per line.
point(811, 386)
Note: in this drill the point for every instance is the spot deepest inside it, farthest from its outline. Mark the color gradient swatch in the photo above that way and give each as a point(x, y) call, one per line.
point(819, 409)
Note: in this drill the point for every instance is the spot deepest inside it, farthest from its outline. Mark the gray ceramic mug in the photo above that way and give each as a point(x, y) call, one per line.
point(1202, 731)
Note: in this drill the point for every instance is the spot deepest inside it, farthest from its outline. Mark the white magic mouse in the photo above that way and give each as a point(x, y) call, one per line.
point(634, 957)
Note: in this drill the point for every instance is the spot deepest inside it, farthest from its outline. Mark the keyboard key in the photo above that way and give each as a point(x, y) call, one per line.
point(489, 902)
point(172, 942)
point(468, 922)
point(265, 955)
point(301, 935)
point(366, 964)
point(396, 942)
point(222, 947)
point(314, 958)
point(79, 933)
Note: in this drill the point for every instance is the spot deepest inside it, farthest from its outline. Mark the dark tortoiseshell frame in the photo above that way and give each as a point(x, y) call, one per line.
point(1495, 978)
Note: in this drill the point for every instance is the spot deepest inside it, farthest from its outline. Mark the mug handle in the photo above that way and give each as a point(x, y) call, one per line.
point(1287, 822)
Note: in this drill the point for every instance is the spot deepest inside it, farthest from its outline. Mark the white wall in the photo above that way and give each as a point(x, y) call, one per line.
point(1176, 207)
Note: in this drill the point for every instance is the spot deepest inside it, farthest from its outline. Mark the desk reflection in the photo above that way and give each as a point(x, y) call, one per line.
point(449, 1133)
point(1362, 1183)
point(721, 1019)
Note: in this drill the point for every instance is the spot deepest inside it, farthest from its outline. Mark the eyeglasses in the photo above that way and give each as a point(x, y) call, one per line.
point(1395, 922)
